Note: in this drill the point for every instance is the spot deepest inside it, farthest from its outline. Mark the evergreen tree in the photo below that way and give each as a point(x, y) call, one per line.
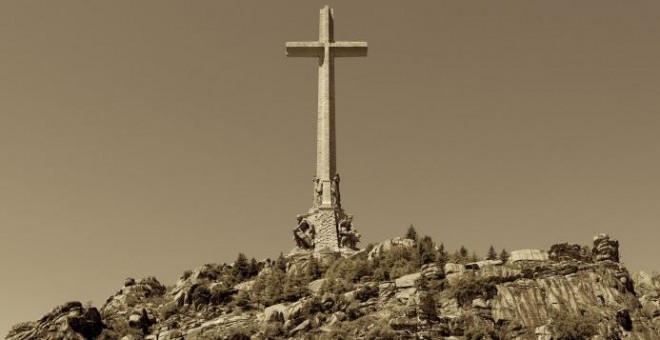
point(492, 254)
point(426, 250)
point(504, 256)
point(442, 256)
point(241, 269)
point(313, 268)
point(253, 267)
point(427, 307)
point(463, 254)
point(411, 233)
point(280, 263)
point(474, 257)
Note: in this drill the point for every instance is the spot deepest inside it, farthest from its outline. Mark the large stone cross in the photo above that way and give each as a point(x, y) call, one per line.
point(326, 49)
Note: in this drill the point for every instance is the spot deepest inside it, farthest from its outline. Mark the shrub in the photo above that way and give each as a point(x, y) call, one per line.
point(220, 294)
point(167, 310)
point(569, 326)
point(480, 331)
point(367, 292)
point(397, 262)
point(201, 295)
point(469, 286)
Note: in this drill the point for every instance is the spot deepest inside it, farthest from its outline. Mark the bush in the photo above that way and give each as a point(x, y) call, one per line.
point(201, 296)
point(367, 292)
point(220, 294)
point(569, 326)
point(397, 262)
point(167, 310)
point(480, 331)
point(469, 287)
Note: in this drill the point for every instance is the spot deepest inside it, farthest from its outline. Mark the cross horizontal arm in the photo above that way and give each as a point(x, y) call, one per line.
point(348, 49)
point(304, 49)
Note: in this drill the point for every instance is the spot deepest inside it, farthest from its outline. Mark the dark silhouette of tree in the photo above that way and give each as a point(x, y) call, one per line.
point(241, 268)
point(504, 256)
point(313, 268)
point(427, 304)
point(463, 252)
point(492, 254)
point(280, 263)
point(253, 267)
point(411, 233)
point(426, 250)
point(442, 256)
point(474, 257)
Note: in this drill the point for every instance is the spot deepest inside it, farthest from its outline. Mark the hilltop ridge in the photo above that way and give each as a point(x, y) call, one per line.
point(402, 288)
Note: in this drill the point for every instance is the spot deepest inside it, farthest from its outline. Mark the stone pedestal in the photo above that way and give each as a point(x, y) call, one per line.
point(326, 222)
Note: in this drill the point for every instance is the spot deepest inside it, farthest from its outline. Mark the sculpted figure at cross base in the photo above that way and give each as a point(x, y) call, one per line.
point(336, 197)
point(304, 234)
point(318, 191)
point(348, 237)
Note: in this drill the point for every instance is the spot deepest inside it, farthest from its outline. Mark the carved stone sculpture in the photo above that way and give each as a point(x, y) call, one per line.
point(318, 191)
point(348, 237)
point(336, 196)
point(304, 233)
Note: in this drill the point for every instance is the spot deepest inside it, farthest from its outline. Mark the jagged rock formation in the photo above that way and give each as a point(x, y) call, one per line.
point(568, 292)
point(70, 321)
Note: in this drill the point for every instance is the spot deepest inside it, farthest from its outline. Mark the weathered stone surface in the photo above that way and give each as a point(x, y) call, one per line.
point(407, 281)
point(565, 252)
point(454, 268)
point(405, 293)
point(528, 255)
point(271, 311)
point(517, 300)
point(605, 248)
point(432, 271)
point(386, 246)
point(303, 326)
point(488, 263)
point(315, 286)
point(68, 321)
point(543, 333)
point(531, 301)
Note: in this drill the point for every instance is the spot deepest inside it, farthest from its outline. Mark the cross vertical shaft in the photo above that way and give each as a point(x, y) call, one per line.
point(326, 153)
point(326, 49)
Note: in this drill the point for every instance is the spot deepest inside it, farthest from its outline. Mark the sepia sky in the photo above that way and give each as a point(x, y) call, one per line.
point(149, 137)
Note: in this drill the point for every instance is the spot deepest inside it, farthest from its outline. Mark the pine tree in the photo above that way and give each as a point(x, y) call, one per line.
point(411, 233)
point(427, 307)
point(463, 252)
point(474, 257)
point(504, 256)
point(241, 268)
point(280, 263)
point(253, 268)
point(442, 256)
point(492, 254)
point(313, 268)
point(426, 250)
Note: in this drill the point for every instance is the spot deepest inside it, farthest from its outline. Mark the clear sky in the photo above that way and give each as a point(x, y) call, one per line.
point(149, 137)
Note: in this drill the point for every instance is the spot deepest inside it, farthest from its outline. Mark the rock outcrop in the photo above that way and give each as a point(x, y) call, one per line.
point(537, 294)
point(69, 321)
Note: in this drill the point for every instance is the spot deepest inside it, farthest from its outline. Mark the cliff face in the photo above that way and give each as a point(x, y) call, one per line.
point(564, 293)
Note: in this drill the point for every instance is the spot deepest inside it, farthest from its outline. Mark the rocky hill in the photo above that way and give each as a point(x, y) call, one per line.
point(399, 289)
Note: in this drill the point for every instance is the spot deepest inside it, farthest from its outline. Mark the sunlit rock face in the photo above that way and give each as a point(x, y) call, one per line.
point(566, 292)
